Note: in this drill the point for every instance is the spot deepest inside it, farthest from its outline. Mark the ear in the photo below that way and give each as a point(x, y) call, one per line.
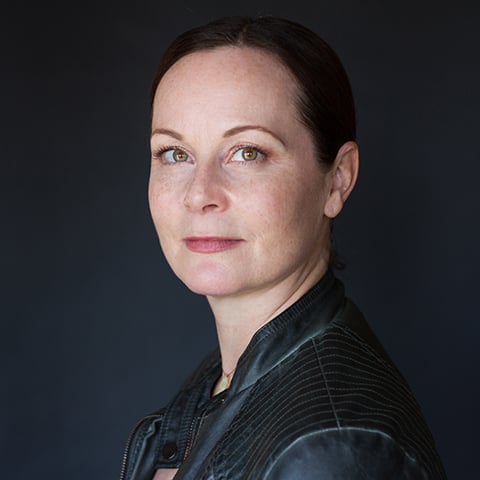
point(344, 174)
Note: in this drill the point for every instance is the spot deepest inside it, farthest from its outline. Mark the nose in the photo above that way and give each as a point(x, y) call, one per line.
point(206, 190)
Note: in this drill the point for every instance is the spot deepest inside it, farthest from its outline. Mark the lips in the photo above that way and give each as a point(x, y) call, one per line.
point(211, 244)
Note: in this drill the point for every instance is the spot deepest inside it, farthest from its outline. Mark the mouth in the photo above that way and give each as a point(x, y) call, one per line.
point(211, 244)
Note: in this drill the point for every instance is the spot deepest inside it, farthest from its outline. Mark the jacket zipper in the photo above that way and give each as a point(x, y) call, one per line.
point(195, 427)
point(190, 436)
point(126, 452)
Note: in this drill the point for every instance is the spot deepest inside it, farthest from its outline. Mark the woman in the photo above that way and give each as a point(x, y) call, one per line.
point(253, 156)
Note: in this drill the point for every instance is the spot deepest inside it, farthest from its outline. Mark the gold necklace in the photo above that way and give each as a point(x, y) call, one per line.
point(223, 382)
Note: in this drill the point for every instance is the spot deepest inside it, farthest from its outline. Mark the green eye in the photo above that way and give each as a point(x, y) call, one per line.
point(249, 153)
point(179, 155)
point(246, 154)
point(174, 155)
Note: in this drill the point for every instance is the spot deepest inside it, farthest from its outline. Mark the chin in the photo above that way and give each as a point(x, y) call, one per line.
point(214, 281)
point(211, 287)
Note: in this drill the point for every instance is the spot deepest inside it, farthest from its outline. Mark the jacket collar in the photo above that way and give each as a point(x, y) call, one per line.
point(276, 340)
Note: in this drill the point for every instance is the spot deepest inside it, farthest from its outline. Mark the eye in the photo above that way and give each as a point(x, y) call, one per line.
point(175, 155)
point(246, 154)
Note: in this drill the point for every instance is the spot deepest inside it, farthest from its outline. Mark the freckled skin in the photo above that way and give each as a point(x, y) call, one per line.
point(275, 204)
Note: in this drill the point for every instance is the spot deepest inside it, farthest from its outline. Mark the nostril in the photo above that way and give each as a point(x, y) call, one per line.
point(205, 192)
point(211, 206)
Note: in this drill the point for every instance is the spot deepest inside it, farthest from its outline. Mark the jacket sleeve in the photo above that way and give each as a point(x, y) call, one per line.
point(353, 454)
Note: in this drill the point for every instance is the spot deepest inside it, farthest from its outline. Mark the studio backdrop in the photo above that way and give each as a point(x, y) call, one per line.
point(97, 331)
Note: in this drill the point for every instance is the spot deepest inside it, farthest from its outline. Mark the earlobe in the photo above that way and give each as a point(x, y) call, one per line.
point(343, 178)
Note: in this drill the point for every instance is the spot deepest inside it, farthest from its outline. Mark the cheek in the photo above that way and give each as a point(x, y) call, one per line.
point(275, 208)
point(294, 211)
point(161, 200)
point(154, 201)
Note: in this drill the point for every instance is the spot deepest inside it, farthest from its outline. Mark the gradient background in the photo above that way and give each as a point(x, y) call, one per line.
point(96, 330)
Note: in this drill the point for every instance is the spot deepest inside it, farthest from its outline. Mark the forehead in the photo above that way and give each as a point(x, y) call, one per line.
point(239, 78)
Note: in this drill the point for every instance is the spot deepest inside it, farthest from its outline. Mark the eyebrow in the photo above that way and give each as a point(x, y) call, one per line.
point(242, 128)
point(166, 131)
point(229, 133)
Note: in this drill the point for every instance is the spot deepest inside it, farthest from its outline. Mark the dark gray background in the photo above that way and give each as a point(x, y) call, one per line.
point(96, 330)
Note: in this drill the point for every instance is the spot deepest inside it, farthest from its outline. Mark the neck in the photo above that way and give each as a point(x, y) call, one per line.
point(239, 317)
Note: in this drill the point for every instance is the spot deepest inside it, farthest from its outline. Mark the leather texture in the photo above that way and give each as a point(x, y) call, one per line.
point(314, 396)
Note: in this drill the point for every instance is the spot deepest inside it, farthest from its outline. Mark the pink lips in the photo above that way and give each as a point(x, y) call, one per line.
point(211, 244)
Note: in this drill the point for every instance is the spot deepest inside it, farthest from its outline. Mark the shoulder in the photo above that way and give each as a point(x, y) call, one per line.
point(338, 402)
point(352, 453)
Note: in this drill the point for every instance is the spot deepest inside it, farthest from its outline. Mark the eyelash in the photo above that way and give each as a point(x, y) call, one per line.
point(159, 153)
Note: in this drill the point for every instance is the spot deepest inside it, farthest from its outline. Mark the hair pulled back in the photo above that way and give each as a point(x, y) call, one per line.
point(325, 103)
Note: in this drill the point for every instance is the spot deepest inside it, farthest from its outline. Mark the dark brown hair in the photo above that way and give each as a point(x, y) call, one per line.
point(325, 103)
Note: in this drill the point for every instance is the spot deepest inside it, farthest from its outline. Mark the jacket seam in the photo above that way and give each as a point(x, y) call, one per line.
point(337, 421)
point(341, 429)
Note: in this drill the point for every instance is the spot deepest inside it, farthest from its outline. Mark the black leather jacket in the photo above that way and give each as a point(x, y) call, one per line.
point(314, 396)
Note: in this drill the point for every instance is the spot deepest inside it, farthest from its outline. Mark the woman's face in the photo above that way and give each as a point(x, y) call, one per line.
point(236, 193)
